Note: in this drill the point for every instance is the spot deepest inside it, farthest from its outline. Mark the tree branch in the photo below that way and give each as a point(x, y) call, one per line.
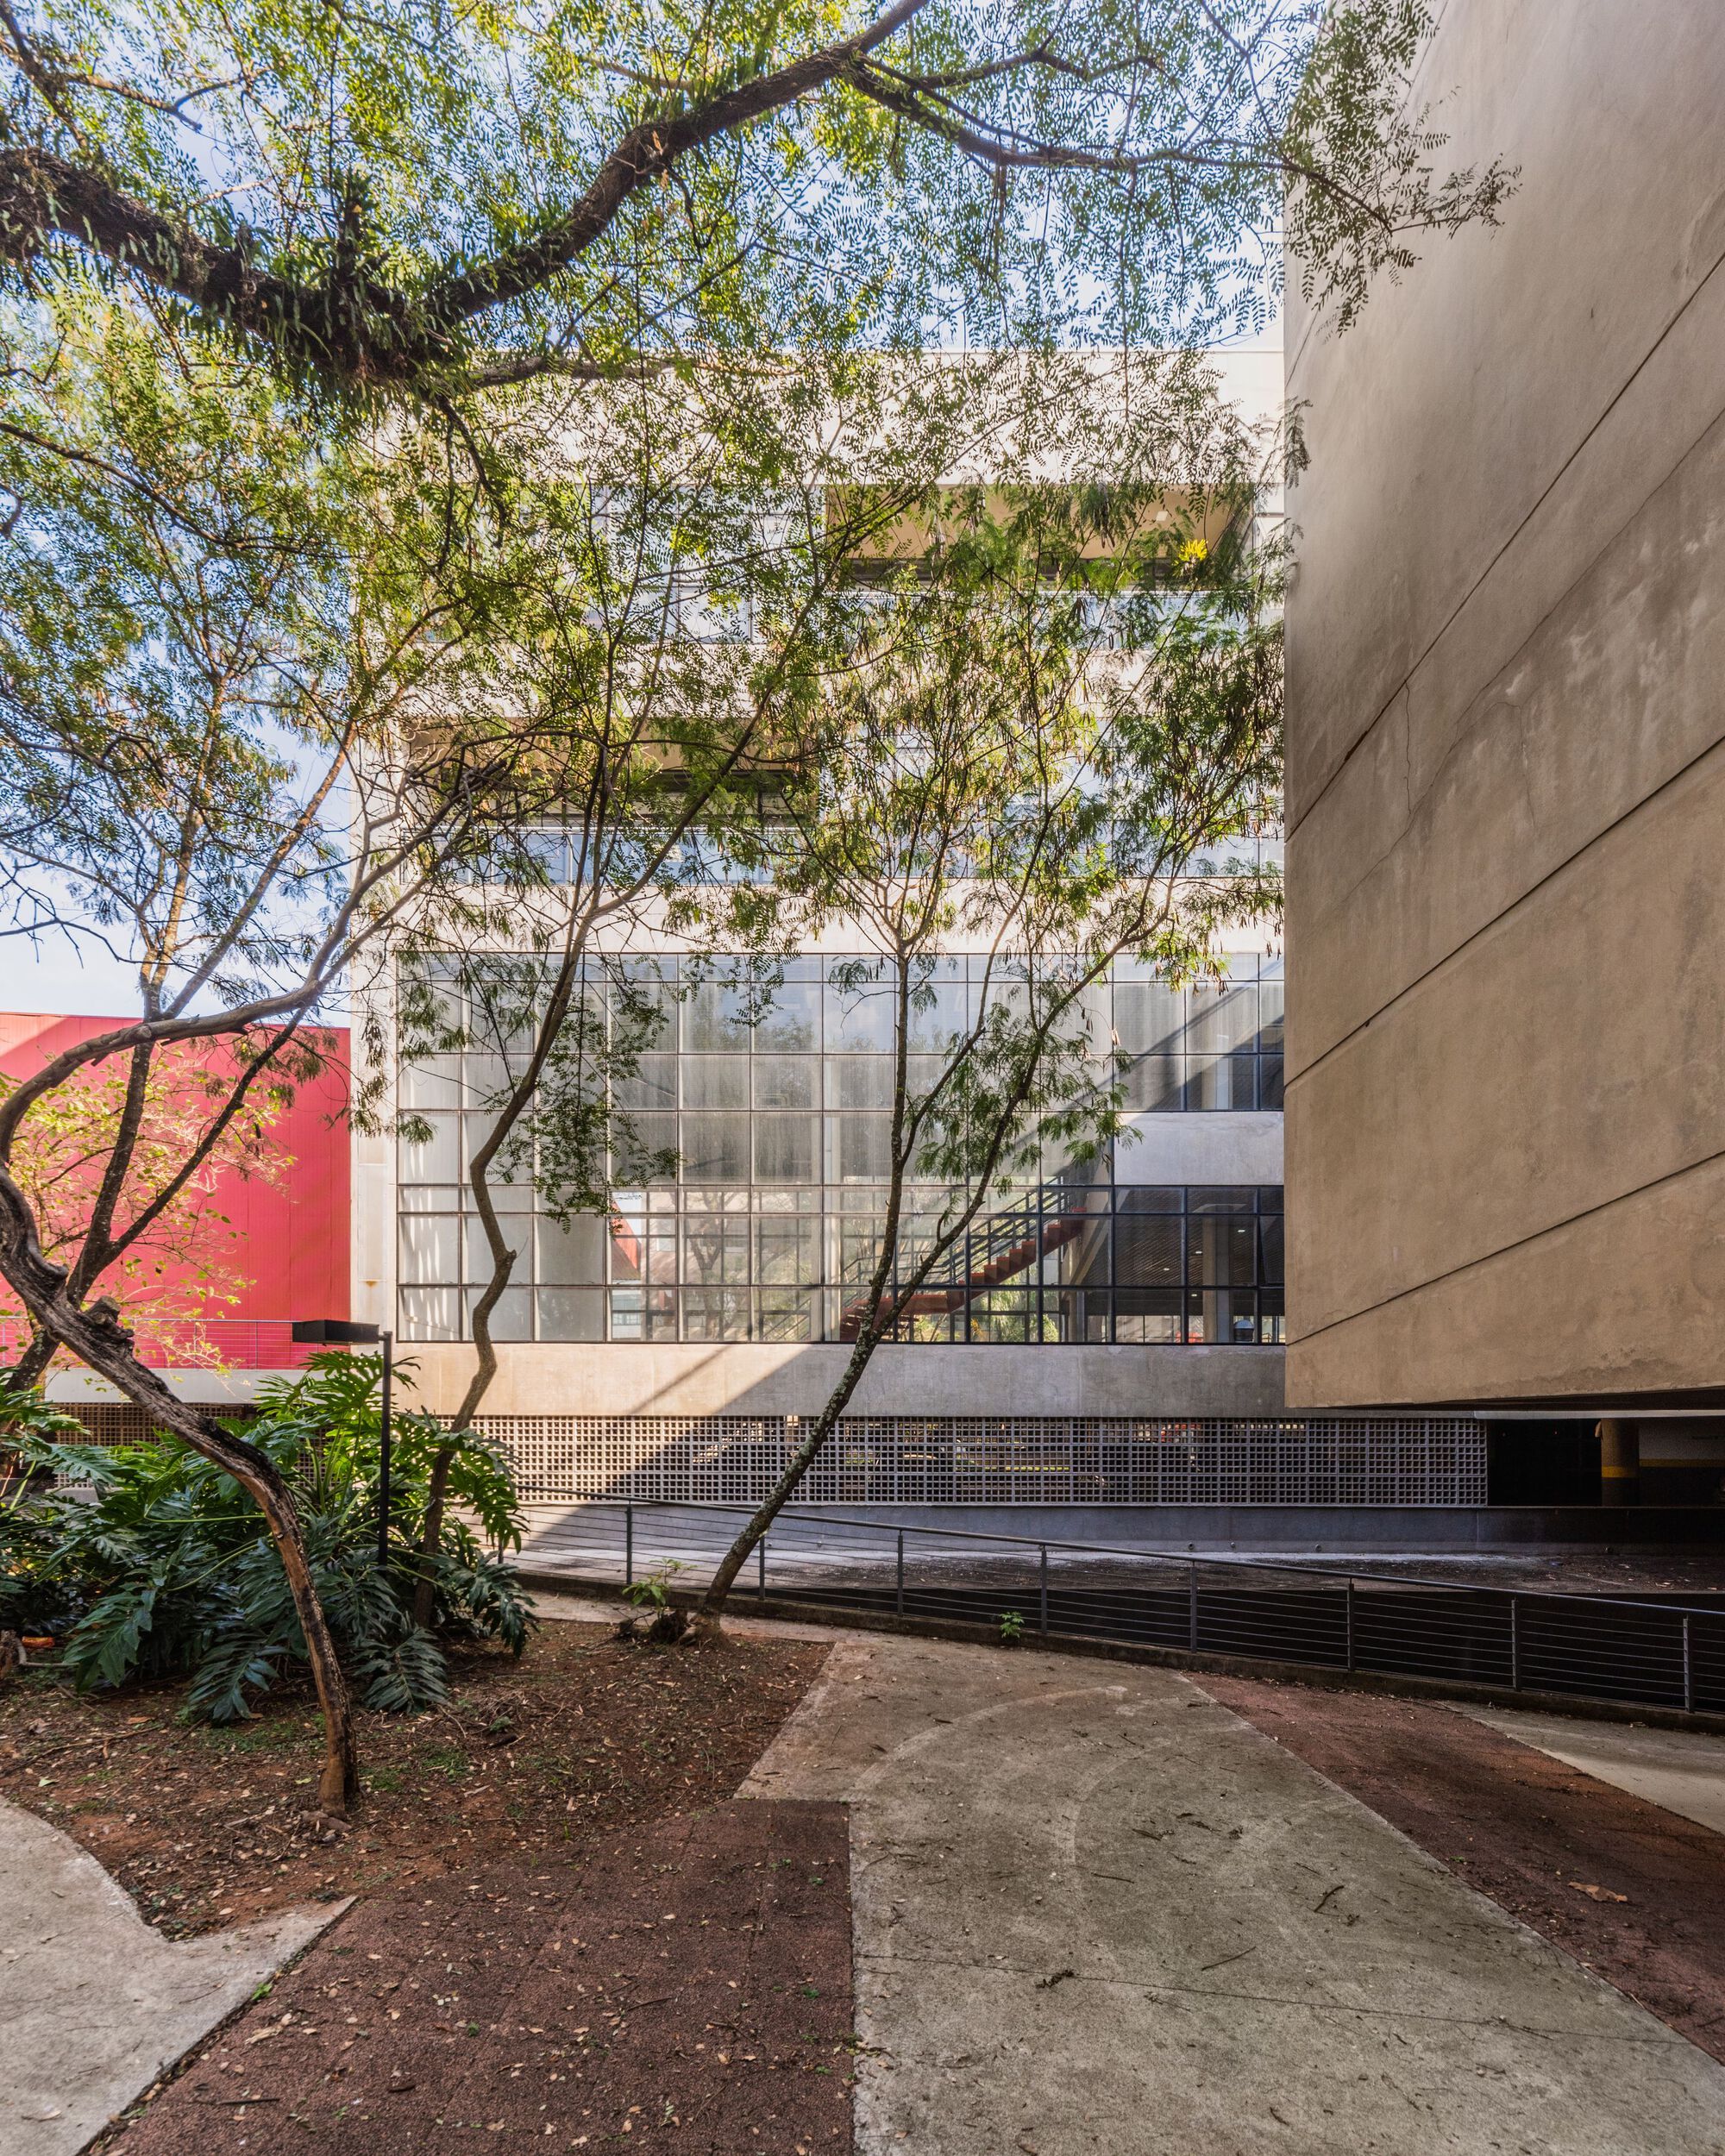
point(1005, 151)
point(353, 327)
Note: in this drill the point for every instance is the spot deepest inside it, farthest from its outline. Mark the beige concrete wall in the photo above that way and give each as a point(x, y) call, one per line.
point(618, 1378)
point(1505, 926)
point(1223, 1146)
point(684, 1379)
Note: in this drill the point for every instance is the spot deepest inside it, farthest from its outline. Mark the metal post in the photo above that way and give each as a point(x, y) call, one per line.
point(1688, 1672)
point(1515, 1643)
point(1192, 1607)
point(628, 1545)
point(901, 1572)
point(388, 1338)
point(1042, 1586)
point(761, 1560)
point(1350, 1624)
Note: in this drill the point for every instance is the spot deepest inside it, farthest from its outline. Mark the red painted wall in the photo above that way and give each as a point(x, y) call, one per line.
point(292, 1242)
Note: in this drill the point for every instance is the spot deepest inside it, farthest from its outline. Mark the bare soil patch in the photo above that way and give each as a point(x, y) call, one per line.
point(686, 1987)
point(1632, 1891)
point(533, 1760)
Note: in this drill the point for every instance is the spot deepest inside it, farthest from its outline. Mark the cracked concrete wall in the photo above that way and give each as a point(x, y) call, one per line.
point(1506, 914)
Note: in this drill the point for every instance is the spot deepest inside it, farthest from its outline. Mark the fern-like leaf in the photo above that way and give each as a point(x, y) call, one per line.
point(403, 1676)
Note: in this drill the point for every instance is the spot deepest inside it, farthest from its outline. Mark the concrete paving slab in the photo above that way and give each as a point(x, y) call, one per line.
point(1099, 1912)
point(94, 2005)
point(1683, 1769)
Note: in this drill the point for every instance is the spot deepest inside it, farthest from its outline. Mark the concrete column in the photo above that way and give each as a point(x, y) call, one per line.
point(1620, 1463)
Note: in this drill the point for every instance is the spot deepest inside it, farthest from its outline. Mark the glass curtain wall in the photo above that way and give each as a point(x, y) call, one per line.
point(778, 1108)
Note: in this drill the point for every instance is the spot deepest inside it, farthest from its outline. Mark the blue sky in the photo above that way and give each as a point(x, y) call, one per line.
point(56, 978)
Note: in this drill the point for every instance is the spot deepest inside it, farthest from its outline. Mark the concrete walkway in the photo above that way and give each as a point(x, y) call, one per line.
point(1683, 1770)
point(93, 2003)
point(1096, 1911)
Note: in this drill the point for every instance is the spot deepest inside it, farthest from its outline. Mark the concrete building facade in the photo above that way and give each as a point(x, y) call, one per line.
point(1506, 761)
point(1110, 1335)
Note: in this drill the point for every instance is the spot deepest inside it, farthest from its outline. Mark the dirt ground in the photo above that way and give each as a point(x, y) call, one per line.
point(1632, 1891)
point(687, 1986)
point(565, 1931)
point(533, 1760)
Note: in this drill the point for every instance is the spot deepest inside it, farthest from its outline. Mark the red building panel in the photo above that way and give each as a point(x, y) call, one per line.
point(290, 1240)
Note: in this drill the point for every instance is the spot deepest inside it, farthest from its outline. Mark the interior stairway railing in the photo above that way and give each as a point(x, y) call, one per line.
point(997, 1248)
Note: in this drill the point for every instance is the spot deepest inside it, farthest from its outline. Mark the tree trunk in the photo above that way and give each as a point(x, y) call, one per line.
point(709, 1617)
point(26, 1374)
point(437, 1490)
point(436, 1495)
point(103, 1345)
point(338, 1782)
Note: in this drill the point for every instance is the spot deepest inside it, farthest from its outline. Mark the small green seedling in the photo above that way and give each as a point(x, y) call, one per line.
point(655, 1591)
point(1011, 1626)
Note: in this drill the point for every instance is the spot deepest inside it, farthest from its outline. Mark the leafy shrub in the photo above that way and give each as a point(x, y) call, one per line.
point(33, 1598)
point(158, 1564)
point(653, 1592)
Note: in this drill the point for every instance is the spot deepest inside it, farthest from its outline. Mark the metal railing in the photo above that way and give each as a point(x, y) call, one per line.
point(1664, 1653)
point(241, 1343)
point(999, 1247)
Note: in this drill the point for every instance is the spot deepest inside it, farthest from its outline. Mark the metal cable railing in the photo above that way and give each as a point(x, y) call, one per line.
point(997, 1247)
point(1664, 1653)
point(246, 1343)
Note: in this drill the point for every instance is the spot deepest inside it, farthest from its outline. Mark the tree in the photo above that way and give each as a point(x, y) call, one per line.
point(1065, 704)
point(138, 1558)
point(247, 677)
point(264, 439)
point(436, 201)
point(180, 1254)
point(692, 613)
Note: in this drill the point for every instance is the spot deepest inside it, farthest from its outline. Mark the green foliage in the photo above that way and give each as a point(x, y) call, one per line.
point(653, 1590)
point(431, 196)
point(33, 1596)
point(152, 1563)
point(1011, 1626)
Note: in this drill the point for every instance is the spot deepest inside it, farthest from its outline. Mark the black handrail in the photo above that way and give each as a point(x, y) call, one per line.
point(1477, 1637)
point(1134, 1551)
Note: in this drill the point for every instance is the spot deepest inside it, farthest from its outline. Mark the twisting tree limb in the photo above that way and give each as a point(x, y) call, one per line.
point(95, 1335)
point(353, 326)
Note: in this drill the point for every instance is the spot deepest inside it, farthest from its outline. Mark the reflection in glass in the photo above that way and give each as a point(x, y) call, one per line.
point(864, 1148)
point(652, 1084)
point(786, 1081)
point(571, 1313)
point(785, 1148)
point(715, 1149)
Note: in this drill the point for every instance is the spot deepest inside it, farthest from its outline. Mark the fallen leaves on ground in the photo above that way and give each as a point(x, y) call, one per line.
point(207, 1827)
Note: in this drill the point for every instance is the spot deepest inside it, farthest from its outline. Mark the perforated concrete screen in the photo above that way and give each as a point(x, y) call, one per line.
point(881, 1459)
